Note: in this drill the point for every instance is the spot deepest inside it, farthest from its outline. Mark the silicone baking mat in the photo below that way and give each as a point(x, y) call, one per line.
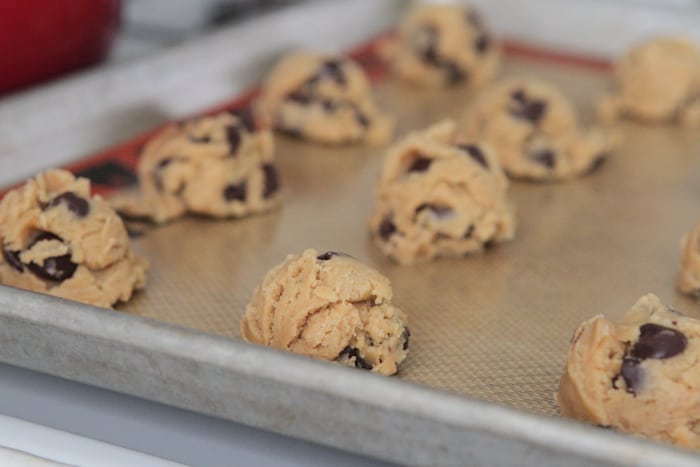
point(494, 326)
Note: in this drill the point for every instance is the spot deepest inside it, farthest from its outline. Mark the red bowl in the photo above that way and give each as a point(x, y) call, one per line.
point(41, 39)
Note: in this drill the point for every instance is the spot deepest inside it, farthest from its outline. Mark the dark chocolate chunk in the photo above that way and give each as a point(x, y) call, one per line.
point(110, 173)
point(453, 73)
point(386, 229)
point(272, 183)
point(597, 163)
point(75, 204)
point(475, 152)
point(441, 212)
point(544, 157)
point(329, 254)
point(351, 352)
point(531, 110)
point(246, 118)
point(235, 191)
point(299, 97)
point(420, 164)
point(632, 373)
point(330, 69)
point(361, 118)
point(12, 258)
point(233, 135)
point(54, 268)
point(328, 105)
point(469, 232)
point(482, 43)
point(406, 335)
point(518, 95)
point(658, 342)
point(426, 37)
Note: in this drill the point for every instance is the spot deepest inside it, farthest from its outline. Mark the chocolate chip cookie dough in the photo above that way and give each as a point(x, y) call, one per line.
point(331, 307)
point(218, 166)
point(58, 240)
point(535, 132)
point(442, 45)
point(323, 98)
point(639, 376)
point(657, 81)
point(688, 280)
point(440, 196)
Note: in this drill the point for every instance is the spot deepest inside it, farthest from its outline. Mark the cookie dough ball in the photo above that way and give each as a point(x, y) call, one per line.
point(640, 376)
point(331, 307)
point(58, 240)
point(218, 166)
point(535, 132)
point(657, 81)
point(442, 45)
point(439, 196)
point(689, 276)
point(323, 98)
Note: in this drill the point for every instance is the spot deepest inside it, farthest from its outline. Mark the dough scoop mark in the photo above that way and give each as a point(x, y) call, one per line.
point(54, 268)
point(271, 180)
point(75, 204)
point(158, 172)
point(475, 152)
point(658, 342)
point(543, 157)
point(527, 109)
point(350, 353)
point(12, 258)
point(235, 192)
point(420, 164)
point(386, 229)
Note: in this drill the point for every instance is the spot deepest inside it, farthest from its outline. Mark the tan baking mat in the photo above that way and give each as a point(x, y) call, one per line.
point(493, 326)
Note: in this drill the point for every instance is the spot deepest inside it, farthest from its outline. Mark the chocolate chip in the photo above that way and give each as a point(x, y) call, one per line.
point(329, 254)
point(330, 69)
point(361, 118)
point(351, 352)
point(299, 97)
point(386, 229)
point(482, 43)
point(328, 105)
point(453, 73)
point(246, 118)
point(406, 335)
point(12, 258)
point(420, 164)
point(75, 204)
point(54, 268)
point(235, 192)
point(441, 212)
point(544, 157)
point(528, 109)
point(233, 135)
point(632, 373)
point(426, 37)
point(658, 342)
point(597, 163)
point(272, 183)
point(475, 152)
point(469, 232)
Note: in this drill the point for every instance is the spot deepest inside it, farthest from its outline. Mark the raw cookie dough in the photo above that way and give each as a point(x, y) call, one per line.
point(331, 307)
point(322, 98)
point(58, 240)
point(657, 81)
point(640, 376)
point(442, 45)
point(534, 130)
point(438, 196)
point(689, 276)
point(218, 166)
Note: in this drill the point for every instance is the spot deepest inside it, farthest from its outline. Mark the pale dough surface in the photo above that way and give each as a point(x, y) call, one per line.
point(640, 376)
point(689, 276)
point(440, 195)
point(57, 239)
point(443, 45)
point(535, 131)
point(323, 98)
point(657, 81)
point(219, 166)
point(331, 307)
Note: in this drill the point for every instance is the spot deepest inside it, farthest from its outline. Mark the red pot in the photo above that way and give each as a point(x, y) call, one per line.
point(40, 39)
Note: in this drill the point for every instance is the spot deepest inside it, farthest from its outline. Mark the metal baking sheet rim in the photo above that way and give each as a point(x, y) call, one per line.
point(352, 410)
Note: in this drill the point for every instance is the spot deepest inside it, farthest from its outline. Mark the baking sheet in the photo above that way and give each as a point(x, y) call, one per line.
point(494, 326)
